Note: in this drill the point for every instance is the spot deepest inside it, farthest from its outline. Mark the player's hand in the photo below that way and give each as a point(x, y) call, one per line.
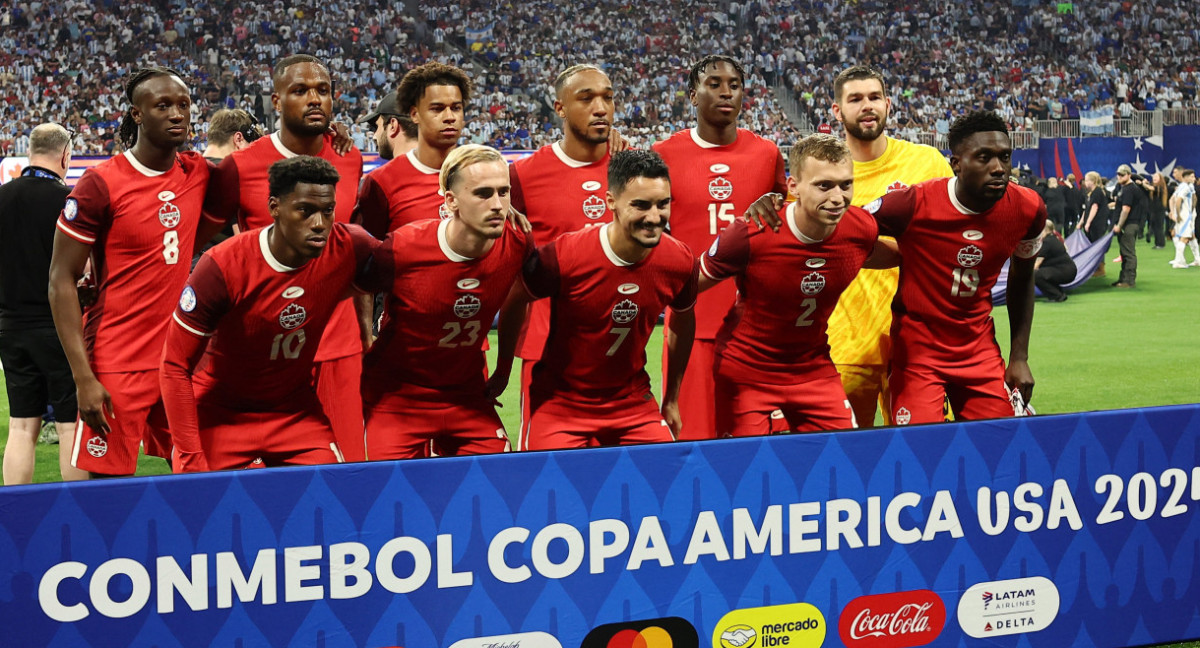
point(764, 212)
point(187, 462)
point(1020, 378)
point(670, 414)
point(496, 385)
point(87, 291)
point(1116, 229)
point(95, 404)
point(342, 143)
point(616, 142)
point(519, 220)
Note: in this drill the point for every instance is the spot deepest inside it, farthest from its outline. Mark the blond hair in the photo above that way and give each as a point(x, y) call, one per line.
point(828, 148)
point(463, 157)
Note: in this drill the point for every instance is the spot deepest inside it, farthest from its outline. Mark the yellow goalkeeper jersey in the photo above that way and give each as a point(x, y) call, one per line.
point(860, 325)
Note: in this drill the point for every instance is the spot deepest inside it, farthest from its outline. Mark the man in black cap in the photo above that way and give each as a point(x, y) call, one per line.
point(395, 134)
point(1134, 206)
point(36, 371)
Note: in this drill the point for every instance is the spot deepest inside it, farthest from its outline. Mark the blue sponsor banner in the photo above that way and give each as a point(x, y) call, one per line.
point(1071, 530)
point(1179, 146)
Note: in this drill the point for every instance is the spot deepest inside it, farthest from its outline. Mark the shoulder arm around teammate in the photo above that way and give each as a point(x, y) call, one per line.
point(512, 320)
point(1020, 304)
point(728, 256)
point(894, 211)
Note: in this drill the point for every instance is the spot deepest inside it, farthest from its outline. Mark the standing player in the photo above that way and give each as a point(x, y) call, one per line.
point(717, 170)
point(445, 280)
point(1183, 215)
point(561, 188)
point(954, 236)
point(136, 216)
point(303, 98)
point(395, 134)
point(773, 352)
point(255, 310)
point(607, 285)
point(405, 190)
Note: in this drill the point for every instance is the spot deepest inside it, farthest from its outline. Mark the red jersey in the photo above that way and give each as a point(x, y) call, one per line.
point(952, 257)
point(239, 188)
point(602, 312)
point(558, 195)
point(438, 311)
point(265, 319)
point(141, 225)
point(400, 192)
point(777, 332)
point(711, 186)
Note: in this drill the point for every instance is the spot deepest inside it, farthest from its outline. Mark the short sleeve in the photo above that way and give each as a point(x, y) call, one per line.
point(729, 253)
point(1031, 242)
point(371, 210)
point(541, 273)
point(686, 299)
point(205, 299)
point(894, 211)
point(221, 199)
point(780, 175)
point(87, 211)
point(516, 193)
point(377, 261)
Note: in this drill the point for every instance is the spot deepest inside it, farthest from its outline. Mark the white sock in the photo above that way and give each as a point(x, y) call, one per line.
point(1195, 250)
point(1179, 247)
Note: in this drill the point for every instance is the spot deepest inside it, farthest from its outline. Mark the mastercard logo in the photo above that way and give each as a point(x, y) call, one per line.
point(668, 632)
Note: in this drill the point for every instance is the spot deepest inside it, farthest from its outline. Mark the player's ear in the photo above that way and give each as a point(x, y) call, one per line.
point(558, 110)
point(275, 103)
point(611, 200)
point(393, 127)
point(837, 110)
point(793, 185)
point(273, 205)
point(451, 201)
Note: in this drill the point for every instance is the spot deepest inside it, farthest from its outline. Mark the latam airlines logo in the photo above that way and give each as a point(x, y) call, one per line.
point(594, 207)
point(898, 620)
point(720, 188)
point(1006, 607)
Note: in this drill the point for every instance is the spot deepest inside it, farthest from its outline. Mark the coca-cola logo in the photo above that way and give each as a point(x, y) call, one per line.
point(898, 620)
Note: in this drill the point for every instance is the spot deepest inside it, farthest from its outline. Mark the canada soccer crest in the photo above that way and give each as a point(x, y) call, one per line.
point(292, 316)
point(594, 207)
point(97, 447)
point(168, 215)
point(720, 188)
point(896, 186)
point(812, 283)
point(444, 212)
point(467, 306)
point(903, 416)
point(970, 256)
point(624, 311)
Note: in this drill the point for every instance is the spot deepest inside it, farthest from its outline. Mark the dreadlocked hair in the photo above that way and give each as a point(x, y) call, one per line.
point(127, 131)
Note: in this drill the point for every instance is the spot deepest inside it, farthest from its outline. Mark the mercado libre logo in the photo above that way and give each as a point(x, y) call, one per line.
point(795, 625)
point(896, 620)
point(667, 632)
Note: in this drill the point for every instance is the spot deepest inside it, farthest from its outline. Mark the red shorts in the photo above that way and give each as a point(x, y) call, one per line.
point(428, 428)
point(974, 388)
point(558, 423)
point(234, 440)
point(697, 410)
point(338, 388)
point(746, 408)
point(138, 418)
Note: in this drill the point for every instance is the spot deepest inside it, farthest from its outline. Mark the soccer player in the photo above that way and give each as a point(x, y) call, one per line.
point(772, 351)
point(445, 280)
point(954, 236)
point(717, 170)
point(1183, 215)
point(405, 190)
point(607, 285)
point(395, 134)
point(303, 98)
point(254, 311)
point(561, 187)
point(136, 216)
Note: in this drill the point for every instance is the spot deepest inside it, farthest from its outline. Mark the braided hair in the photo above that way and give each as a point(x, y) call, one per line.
point(128, 130)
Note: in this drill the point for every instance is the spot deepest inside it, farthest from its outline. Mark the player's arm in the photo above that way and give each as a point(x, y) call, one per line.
point(512, 320)
point(516, 207)
point(220, 200)
point(764, 212)
point(885, 254)
point(728, 256)
point(681, 333)
point(371, 211)
point(1176, 200)
point(66, 268)
point(1020, 307)
point(210, 224)
point(894, 211)
point(374, 273)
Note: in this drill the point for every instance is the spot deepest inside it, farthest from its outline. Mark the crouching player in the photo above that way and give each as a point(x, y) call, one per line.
point(238, 362)
point(772, 351)
point(423, 380)
point(607, 286)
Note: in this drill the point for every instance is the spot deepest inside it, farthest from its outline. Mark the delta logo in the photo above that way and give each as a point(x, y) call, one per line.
point(795, 625)
point(896, 620)
point(594, 207)
point(720, 189)
point(667, 632)
point(1015, 606)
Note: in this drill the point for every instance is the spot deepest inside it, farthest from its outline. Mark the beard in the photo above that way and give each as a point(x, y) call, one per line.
point(590, 139)
point(858, 133)
point(386, 151)
point(301, 126)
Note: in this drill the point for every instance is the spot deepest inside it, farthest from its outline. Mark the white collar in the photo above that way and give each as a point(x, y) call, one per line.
point(607, 247)
point(954, 199)
point(444, 243)
point(265, 248)
point(283, 150)
point(790, 217)
point(141, 168)
point(419, 165)
point(566, 159)
point(701, 142)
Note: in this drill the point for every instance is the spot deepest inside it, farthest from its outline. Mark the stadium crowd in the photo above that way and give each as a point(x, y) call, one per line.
point(64, 62)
